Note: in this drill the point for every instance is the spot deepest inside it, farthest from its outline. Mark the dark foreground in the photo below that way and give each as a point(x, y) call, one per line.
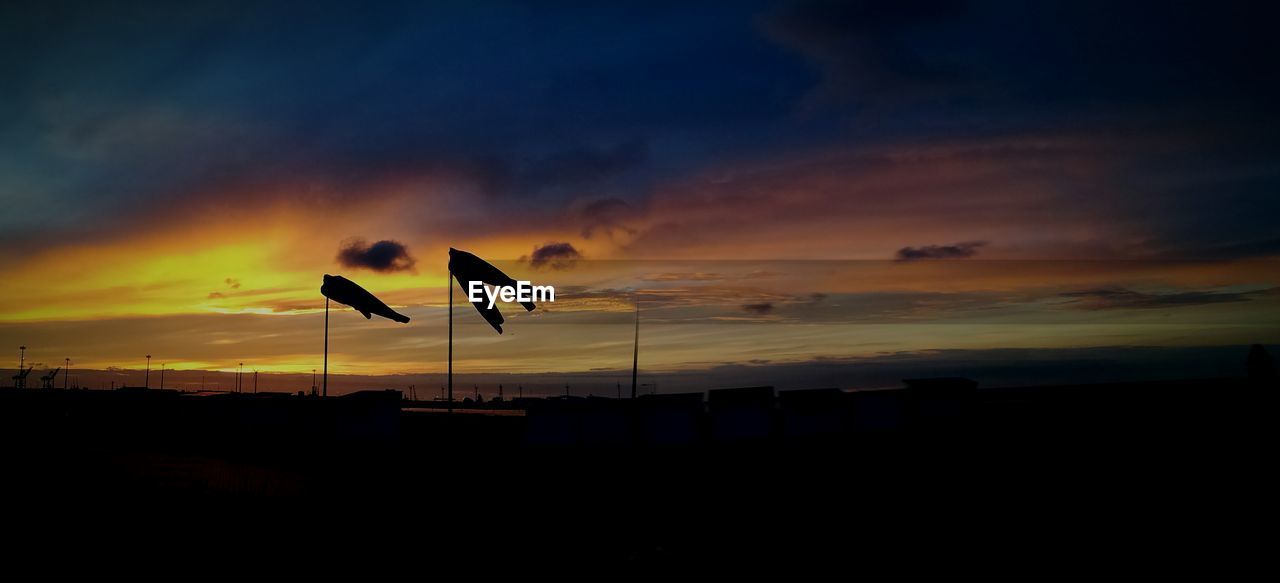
point(939, 475)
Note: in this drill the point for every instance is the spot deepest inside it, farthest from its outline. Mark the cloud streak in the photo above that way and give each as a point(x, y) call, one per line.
point(1121, 298)
point(963, 250)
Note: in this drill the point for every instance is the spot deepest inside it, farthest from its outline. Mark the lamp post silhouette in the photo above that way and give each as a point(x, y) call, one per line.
point(66, 375)
point(162, 376)
point(147, 380)
point(20, 380)
point(255, 381)
point(239, 371)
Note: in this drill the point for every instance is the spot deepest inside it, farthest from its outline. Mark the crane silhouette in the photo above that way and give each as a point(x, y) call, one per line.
point(20, 379)
point(46, 381)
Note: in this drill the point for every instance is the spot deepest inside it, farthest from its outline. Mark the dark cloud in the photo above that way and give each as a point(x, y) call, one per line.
point(216, 295)
point(608, 216)
point(384, 256)
point(957, 251)
point(584, 165)
point(148, 125)
point(554, 255)
point(566, 170)
point(759, 309)
point(232, 283)
point(123, 132)
point(1251, 249)
point(864, 48)
point(1121, 298)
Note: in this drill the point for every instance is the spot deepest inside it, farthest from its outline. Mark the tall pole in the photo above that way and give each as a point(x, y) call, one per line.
point(162, 376)
point(21, 383)
point(325, 391)
point(451, 341)
point(240, 375)
point(147, 382)
point(255, 382)
point(635, 350)
point(66, 375)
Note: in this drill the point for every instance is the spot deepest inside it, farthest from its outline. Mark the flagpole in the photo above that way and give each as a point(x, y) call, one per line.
point(635, 350)
point(326, 347)
point(450, 341)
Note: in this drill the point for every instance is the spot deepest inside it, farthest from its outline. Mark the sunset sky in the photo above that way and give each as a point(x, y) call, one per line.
point(782, 185)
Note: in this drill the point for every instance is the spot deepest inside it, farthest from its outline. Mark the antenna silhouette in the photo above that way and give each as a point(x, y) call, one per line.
point(147, 381)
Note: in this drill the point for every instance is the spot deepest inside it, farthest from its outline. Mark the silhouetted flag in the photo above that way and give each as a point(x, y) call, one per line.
point(345, 291)
point(468, 268)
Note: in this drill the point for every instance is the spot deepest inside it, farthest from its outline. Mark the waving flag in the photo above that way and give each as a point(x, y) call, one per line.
point(468, 268)
point(345, 291)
